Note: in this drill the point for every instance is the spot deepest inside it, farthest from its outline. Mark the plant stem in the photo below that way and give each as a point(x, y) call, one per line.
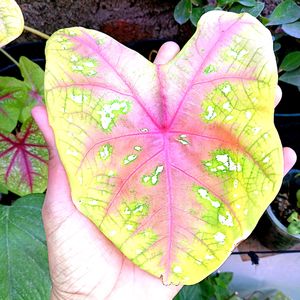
point(36, 32)
point(9, 57)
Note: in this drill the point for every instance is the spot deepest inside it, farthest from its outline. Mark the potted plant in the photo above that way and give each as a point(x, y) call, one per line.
point(279, 229)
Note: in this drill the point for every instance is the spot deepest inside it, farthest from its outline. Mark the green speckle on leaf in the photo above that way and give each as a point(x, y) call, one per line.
point(105, 152)
point(153, 179)
point(129, 158)
point(223, 161)
point(110, 111)
point(209, 69)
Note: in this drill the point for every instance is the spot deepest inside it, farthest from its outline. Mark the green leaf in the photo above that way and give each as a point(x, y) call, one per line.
point(294, 227)
point(208, 8)
point(249, 3)
point(291, 61)
point(34, 79)
point(292, 77)
point(197, 2)
point(3, 189)
point(196, 14)
point(225, 2)
point(183, 11)
point(286, 12)
point(189, 292)
point(12, 95)
point(293, 217)
point(11, 21)
point(292, 29)
point(255, 11)
point(23, 252)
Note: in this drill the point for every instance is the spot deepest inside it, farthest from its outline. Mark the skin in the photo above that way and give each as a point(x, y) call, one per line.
point(83, 263)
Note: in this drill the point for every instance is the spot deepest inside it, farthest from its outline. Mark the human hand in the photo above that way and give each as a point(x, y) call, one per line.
point(84, 264)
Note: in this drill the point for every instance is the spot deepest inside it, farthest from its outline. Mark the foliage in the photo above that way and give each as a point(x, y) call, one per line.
point(24, 270)
point(23, 153)
point(175, 163)
point(284, 23)
point(215, 286)
point(294, 226)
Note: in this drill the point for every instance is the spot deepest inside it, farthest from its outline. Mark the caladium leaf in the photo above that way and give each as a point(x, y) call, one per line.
point(174, 163)
point(23, 160)
point(33, 76)
point(11, 21)
point(12, 96)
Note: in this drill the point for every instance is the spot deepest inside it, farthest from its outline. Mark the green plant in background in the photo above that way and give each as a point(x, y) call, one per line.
point(284, 23)
point(294, 226)
point(24, 270)
point(23, 152)
point(215, 286)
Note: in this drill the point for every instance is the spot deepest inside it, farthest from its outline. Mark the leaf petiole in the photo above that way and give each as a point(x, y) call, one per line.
point(9, 57)
point(36, 32)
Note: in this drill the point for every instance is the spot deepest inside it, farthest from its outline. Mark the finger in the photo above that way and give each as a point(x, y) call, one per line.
point(166, 52)
point(278, 95)
point(58, 200)
point(289, 158)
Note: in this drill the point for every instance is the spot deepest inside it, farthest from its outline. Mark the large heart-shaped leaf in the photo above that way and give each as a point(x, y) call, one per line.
point(174, 163)
point(23, 160)
point(11, 21)
point(24, 270)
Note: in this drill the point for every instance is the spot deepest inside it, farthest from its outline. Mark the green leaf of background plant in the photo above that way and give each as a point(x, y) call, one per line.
point(24, 271)
point(183, 11)
point(292, 77)
point(286, 12)
point(249, 3)
point(12, 95)
point(11, 21)
point(291, 61)
point(34, 79)
point(3, 189)
point(197, 2)
point(292, 29)
point(196, 14)
point(225, 2)
point(255, 11)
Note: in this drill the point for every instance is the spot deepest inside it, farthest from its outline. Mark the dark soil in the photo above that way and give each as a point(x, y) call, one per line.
point(125, 20)
point(285, 202)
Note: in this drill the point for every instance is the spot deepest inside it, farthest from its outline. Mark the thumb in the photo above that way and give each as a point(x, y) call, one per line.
point(58, 203)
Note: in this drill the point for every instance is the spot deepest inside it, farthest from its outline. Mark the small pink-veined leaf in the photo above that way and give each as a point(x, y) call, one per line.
point(11, 21)
point(23, 160)
point(33, 76)
point(12, 96)
point(174, 163)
